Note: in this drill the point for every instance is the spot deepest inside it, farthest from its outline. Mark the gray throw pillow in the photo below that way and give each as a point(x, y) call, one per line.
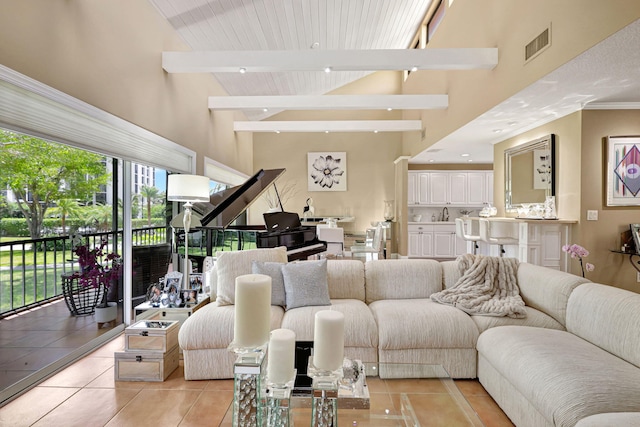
point(273, 270)
point(305, 283)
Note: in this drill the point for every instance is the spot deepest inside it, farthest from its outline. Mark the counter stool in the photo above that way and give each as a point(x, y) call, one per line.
point(485, 236)
point(468, 237)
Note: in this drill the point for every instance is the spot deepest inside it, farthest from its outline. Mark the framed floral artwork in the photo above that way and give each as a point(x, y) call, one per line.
point(623, 170)
point(327, 171)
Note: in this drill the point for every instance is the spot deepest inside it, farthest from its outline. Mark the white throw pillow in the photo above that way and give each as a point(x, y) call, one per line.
point(237, 263)
point(305, 283)
point(273, 270)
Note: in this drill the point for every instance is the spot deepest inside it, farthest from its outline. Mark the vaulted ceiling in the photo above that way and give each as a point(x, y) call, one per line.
point(609, 72)
point(280, 25)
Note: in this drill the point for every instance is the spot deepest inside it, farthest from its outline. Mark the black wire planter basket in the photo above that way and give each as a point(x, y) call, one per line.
point(80, 300)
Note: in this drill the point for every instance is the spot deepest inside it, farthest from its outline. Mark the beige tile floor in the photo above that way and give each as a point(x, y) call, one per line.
point(40, 336)
point(86, 394)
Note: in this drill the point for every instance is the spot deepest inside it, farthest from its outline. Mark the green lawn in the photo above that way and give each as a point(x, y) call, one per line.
point(38, 286)
point(28, 285)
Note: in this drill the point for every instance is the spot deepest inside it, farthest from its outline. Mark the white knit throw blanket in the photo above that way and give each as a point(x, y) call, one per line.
point(487, 287)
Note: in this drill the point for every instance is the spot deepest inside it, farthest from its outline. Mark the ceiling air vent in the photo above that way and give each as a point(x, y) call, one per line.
point(537, 45)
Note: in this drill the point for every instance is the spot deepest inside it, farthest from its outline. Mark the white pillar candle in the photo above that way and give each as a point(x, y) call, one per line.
point(252, 310)
point(328, 340)
point(282, 349)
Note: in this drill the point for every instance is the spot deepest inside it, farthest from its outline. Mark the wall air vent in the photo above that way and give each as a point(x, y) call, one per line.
point(537, 45)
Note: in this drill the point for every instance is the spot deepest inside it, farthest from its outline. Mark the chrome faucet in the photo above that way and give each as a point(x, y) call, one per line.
point(445, 214)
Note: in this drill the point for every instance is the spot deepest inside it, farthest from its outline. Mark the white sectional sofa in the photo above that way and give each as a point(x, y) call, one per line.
point(575, 355)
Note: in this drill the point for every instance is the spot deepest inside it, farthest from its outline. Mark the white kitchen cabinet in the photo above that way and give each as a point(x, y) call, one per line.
point(434, 241)
point(541, 243)
point(490, 187)
point(412, 188)
point(444, 242)
point(480, 188)
point(420, 241)
point(418, 188)
point(450, 188)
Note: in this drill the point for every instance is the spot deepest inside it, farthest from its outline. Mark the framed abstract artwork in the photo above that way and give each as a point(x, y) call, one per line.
point(623, 170)
point(327, 171)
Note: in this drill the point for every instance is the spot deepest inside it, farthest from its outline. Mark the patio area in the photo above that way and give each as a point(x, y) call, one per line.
point(35, 338)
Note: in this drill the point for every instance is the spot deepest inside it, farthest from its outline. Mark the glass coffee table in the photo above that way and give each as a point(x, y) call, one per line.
point(398, 395)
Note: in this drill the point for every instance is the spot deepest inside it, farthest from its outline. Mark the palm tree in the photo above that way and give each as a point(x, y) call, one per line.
point(65, 208)
point(100, 216)
point(151, 195)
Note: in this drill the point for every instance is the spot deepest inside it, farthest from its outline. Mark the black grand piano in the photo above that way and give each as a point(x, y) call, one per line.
point(280, 229)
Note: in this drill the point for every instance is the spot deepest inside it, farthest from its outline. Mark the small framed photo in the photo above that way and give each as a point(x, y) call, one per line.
point(635, 232)
point(189, 296)
point(173, 282)
point(195, 281)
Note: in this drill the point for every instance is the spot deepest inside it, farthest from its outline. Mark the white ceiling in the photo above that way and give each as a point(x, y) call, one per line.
point(278, 25)
point(609, 72)
point(605, 76)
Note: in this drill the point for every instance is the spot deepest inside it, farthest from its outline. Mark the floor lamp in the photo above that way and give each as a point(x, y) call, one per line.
point(188, 189)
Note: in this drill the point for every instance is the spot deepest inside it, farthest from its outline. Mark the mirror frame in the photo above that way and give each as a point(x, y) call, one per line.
point(546, 142)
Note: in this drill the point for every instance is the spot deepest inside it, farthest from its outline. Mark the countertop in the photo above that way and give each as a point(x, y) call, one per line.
point(432, 223)
point(532, 220)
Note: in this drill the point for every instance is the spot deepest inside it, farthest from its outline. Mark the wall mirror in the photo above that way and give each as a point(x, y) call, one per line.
point(529, 172)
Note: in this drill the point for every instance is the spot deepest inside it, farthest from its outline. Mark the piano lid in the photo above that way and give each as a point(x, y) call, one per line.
point(226, 205)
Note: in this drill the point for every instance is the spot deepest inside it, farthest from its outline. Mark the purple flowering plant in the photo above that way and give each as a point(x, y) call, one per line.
point(577, 251)
point(98, 267)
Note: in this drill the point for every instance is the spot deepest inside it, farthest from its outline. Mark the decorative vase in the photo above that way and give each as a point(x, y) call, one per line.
point(106, 314)
point(550, 207)
point(388, 210)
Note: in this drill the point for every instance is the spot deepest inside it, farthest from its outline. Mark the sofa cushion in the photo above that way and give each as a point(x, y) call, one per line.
point(273, 270)
point(546, 289)
point(346, 279)
point(237, 263)
point(305, 283)
point(422, 323)
point(402, 279)
point(563, 376)
point(607, 317)
point(611, 419)
point(450, 273)
point(360, 329)
point(212, 327)
point(533, 318)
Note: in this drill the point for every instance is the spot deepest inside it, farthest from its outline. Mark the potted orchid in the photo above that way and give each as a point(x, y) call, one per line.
point(577, 251)
point(99, 269)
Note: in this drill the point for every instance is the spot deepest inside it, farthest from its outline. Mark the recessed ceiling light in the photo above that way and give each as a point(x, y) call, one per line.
point(512, 123)
point(326, 131)
point(389, 109)
point(243, 70)
point(375, 131)
point(431, 161)
point(470, 160)
point(277, 131)
point(465, 155)
point(414, 69)
point(327, 69)
point(315, 45)
point(497, 130)
point(265, 109)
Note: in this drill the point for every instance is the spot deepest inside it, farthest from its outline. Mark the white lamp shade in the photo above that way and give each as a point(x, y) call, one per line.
point(188, 188)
